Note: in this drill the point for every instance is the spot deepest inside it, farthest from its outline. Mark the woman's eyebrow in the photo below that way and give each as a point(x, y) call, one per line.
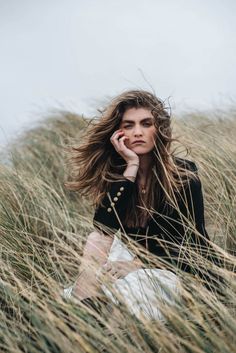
point(131, 121)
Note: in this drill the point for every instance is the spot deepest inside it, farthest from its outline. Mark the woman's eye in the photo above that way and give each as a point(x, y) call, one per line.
point(147, 124)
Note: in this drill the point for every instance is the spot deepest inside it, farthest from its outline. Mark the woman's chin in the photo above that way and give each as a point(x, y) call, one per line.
point(140, 150)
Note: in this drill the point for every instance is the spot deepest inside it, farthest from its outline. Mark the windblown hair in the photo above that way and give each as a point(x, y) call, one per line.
point(96, 164)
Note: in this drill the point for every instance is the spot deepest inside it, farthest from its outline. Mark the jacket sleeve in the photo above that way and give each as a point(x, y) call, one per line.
point(192, 207)
point(112, 210)
point(200, 241)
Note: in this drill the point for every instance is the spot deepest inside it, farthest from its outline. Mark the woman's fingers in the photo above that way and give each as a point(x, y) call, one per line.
point(116, 135)
point(115, 269)
point(121, 142)
point(118, 269)
point(118, 142)
point(106, 266)
point(110, 268)
point(116, 138)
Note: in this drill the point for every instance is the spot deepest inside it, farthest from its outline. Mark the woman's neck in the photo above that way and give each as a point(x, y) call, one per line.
point(145, 163)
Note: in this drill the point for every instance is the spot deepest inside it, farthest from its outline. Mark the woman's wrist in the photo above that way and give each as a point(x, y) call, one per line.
point(133, 162)
point(131, 170)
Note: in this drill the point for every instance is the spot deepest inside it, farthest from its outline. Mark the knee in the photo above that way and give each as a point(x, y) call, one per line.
point(94, 237)
point(97, 245)
point(97, 240)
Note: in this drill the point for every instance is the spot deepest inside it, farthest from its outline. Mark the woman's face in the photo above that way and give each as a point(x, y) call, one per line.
point(138, 125)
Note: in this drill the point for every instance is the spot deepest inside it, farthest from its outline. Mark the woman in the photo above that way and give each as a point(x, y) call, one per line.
point(141, 189)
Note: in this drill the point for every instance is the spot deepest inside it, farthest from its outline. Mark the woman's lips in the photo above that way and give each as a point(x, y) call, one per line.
point(137, 142)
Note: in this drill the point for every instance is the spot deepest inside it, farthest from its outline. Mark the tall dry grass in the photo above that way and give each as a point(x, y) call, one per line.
point(43, 228)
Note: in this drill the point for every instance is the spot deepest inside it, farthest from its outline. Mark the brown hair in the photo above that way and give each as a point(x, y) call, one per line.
point(96, 164)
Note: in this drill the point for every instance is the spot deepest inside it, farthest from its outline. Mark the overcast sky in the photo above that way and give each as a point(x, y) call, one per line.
point(73, 53)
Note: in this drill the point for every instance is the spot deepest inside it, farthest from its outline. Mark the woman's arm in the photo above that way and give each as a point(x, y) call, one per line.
point(112, 209)
point(110, 213)
point(193, 209)
point(200, 241)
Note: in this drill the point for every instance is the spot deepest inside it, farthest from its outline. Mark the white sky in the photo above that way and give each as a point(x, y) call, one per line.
point(73, 53)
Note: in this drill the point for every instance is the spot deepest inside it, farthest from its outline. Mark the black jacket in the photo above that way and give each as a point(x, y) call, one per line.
point(167, 233)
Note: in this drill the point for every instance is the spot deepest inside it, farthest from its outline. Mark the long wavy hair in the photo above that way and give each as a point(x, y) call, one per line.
point(95, 164)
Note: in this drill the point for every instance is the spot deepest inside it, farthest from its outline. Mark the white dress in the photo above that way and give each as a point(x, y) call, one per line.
point(144, 291)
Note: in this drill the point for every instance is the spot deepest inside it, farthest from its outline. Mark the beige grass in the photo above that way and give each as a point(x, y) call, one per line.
point(43, 228)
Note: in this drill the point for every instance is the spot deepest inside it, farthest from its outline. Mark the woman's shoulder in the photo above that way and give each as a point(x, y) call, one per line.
point(185, 163)
point(188, 173)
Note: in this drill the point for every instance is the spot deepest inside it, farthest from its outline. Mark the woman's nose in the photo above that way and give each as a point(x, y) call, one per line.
point(137, 131)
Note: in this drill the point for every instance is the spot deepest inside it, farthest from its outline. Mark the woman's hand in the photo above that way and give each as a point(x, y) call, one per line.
point(119, 269)
point(117, 139)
